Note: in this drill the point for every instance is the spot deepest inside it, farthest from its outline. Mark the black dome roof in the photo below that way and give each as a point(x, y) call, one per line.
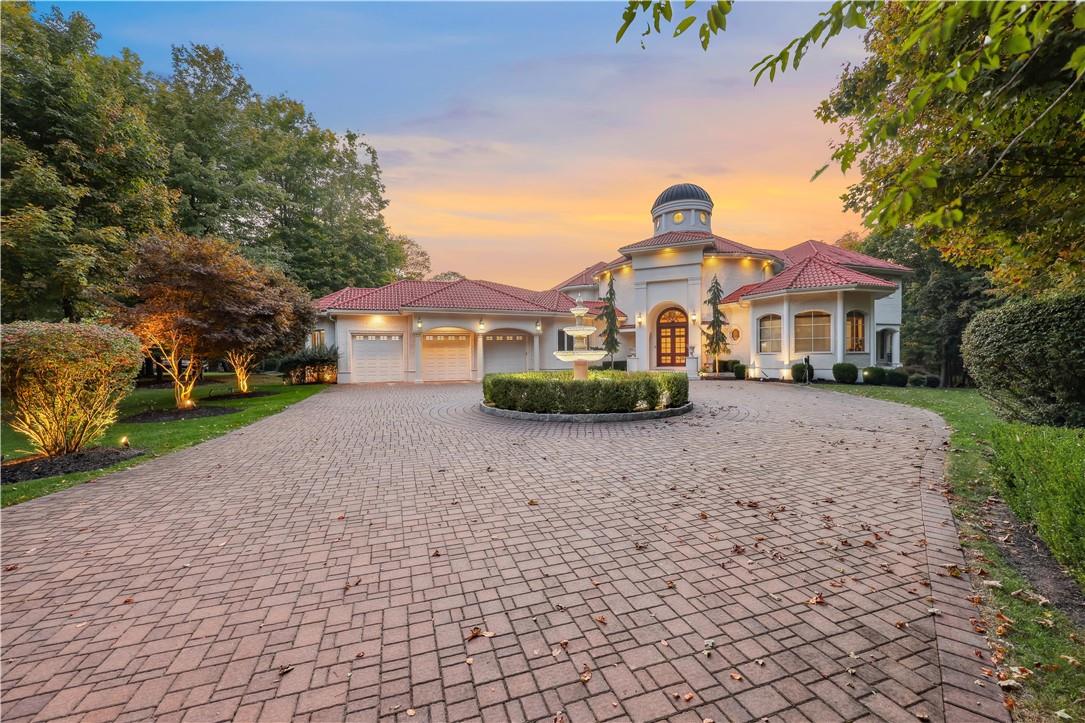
point(682, 192)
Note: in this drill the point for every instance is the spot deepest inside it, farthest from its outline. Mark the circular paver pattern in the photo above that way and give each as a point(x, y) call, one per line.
point(329, 563)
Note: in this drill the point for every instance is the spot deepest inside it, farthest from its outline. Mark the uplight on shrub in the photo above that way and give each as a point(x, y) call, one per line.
point(63, 382)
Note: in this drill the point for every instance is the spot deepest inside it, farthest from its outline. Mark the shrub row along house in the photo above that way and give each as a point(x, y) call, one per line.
point(812, 299)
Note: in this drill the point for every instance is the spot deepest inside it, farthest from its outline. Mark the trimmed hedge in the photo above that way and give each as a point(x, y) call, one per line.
point(917, 380)
point(798, 373)
point(1042, 473)
point(845, 372)
point(603, 392)
point(1027, 357)
point(739, 370)
point(619, 365)
point(933, 381)
point(313, 365)
point(896, 377)
point(873, 375)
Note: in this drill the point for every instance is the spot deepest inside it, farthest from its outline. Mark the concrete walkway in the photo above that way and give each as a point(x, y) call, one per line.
point(773, 554)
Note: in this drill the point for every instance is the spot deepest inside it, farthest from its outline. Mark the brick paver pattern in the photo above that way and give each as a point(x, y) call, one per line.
point(328, 563)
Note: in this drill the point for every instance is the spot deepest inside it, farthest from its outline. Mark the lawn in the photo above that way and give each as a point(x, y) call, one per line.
point(159, 438)
point(1040, 639)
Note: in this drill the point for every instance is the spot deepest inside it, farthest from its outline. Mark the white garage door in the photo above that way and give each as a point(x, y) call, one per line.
point(505, 352)
point(377, 358)
point(446, 357)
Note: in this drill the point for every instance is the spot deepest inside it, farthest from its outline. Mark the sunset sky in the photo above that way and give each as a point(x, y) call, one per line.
point(518, 142)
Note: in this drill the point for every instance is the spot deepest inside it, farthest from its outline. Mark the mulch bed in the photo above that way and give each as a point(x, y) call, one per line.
point(239, 395)
point(176, 415)
point(22, 470)
point(1028, 554)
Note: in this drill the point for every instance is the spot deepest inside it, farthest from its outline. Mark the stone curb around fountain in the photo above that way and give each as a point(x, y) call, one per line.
point(587, 418)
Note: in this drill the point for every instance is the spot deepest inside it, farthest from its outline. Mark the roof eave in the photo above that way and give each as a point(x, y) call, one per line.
point(818, 289)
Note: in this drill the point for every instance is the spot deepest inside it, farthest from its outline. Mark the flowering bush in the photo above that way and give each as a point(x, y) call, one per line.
point(63, 382)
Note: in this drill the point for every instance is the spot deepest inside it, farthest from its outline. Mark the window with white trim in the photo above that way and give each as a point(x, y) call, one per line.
point(813, 332)
point(769, 333)
point(317, 338)
point(855, 331)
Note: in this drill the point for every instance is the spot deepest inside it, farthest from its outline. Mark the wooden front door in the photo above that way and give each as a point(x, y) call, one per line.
point(672, 329)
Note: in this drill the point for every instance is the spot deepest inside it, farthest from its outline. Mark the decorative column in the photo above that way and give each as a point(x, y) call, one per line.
point(896, 347)
point(785, 341)
point(480, 358)
point(841, 326)
point(872, 336)
point(751, 338)
point(418, 357)
point(640, 318)
point(535, 350)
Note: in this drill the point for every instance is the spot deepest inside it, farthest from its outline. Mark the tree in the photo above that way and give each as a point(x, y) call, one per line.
point(83, 171)
point(63, 382)
point(416, 262)
point(188, 294)
point(274, 321)
point(939, 300)
point(448, 276)
point(611, 342)
point(715, 338)
point(965, 117)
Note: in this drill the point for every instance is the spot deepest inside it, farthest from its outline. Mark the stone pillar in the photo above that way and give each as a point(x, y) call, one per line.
point(535, 350)
point(896, 348)
point(841, 326)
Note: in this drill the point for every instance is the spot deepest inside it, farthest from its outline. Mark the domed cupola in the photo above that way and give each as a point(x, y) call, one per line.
point(682, 207)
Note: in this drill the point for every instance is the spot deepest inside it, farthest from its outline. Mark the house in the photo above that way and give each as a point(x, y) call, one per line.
point(811, 300)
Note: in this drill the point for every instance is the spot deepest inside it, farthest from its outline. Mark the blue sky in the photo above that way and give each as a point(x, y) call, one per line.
point(506, 127)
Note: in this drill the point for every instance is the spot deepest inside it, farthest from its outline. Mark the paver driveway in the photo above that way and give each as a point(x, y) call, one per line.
point(328, 563)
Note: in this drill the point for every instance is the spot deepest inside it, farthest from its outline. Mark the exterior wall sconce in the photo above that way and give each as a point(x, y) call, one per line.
point(693, 318)
point(481, 325)
point(538, 326)
point(640, 319)
point(418, 323)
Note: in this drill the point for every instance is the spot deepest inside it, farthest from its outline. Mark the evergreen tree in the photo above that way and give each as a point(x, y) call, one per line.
point(715, 338)
point(610, 318)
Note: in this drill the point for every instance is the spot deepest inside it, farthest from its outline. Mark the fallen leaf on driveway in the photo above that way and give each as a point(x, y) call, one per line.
point(533, 502)
point(475, 632)
point(736, 676)
point(601, 619)
point(585, 673)
point(818, 599)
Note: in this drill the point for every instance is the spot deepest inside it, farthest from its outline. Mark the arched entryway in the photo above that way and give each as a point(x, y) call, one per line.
point(672, 337)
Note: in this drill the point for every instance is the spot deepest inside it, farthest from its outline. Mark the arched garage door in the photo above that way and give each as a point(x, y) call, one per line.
point(377, 358)
point(505, 352)
point(446, 357)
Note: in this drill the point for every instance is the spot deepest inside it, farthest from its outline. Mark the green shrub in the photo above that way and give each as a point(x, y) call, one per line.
point(619, 365)
point(933, 381)
point(313, 365)
point(845, 373)
point(1027, 357)
point(896, 377)
point(1042, 473)
point(739, 370)
point(799, 372)
point(873, 375)
point(917, 380)
point(63, 382)
point(603, 392)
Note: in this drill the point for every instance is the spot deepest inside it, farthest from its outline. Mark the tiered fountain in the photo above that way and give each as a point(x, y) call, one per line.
point(580, 354)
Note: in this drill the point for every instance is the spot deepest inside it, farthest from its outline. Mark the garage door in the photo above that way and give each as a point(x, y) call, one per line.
point(446, 357)
point(377, 358)
point(505, 352)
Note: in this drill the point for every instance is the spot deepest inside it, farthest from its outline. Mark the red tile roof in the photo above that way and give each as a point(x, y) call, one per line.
point(739, 292)
point(595, 308)
point(620, 261)
point(582, 278)
point(465, 294)
point(816, 272)
point(838, 255)
point(671, 238)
